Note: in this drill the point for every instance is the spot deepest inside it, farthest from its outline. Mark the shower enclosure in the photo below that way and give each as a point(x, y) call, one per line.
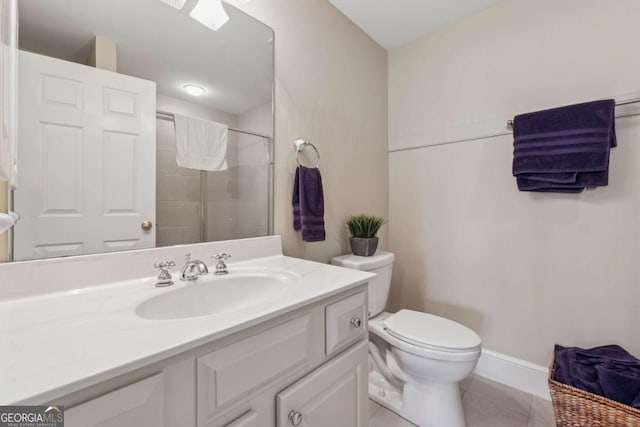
point(198, 206)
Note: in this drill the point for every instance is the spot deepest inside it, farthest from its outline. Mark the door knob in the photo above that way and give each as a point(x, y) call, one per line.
point(295, 417)
point(147, 225)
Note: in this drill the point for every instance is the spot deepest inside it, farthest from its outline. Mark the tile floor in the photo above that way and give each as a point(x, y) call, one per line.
point(486, 404)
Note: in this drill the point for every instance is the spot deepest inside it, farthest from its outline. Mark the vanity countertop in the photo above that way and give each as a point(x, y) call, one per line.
point(57, 343)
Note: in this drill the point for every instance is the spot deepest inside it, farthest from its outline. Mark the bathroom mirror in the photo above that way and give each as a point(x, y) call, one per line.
point(100, 86)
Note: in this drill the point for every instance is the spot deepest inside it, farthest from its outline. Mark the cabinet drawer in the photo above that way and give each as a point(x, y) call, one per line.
point(140, 404)
point(227, 375)
point(346, 322)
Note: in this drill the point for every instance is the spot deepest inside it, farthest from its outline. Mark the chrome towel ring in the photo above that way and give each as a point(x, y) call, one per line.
point(300, 145)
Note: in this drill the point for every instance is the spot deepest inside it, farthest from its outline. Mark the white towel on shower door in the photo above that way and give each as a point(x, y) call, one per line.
point(201, 144)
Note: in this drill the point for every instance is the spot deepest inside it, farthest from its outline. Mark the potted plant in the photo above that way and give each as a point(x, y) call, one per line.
point(363, 229)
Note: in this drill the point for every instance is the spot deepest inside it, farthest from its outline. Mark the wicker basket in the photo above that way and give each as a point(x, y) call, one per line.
point(578, 408)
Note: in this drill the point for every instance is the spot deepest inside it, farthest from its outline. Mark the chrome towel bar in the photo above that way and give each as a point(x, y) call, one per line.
point(170, 117)
point(618, 103)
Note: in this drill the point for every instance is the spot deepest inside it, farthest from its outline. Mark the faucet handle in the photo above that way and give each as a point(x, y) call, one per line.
point(164, 265)
point(164, 278)
point(221, 256)
point(221, 267)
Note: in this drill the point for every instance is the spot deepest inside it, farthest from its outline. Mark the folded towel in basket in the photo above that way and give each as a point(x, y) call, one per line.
point(564, 149)
point(608, 371)
point(620, 383)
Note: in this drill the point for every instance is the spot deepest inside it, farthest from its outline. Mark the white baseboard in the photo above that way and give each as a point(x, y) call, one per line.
point(515, 373)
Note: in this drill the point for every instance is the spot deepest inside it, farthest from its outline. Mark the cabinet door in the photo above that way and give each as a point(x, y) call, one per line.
point(333, 395)
point(236, 372)
point(140, 404)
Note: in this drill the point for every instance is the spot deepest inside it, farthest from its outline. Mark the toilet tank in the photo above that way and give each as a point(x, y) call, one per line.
point(381, 263)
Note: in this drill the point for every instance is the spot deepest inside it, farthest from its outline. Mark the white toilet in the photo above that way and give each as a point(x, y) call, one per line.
point(416, 359)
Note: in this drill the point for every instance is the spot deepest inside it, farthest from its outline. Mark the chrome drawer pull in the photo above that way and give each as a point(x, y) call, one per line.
point(356, 322)
point(295, 417)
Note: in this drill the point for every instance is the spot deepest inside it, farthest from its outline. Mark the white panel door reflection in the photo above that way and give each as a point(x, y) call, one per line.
point(87, 160)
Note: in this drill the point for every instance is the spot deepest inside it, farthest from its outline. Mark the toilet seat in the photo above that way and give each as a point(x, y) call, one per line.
point(432, 332)
point(377, 327)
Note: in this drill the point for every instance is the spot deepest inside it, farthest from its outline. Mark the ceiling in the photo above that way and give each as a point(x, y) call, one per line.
point(393, 23)
point(162, 44)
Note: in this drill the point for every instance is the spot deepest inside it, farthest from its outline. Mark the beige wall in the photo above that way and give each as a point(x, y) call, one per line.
point(525, 270)
point(331, 88)
point(257, 119)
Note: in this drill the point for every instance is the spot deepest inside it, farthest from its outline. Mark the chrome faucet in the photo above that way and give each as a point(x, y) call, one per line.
point(221, 267)
point(193, 269)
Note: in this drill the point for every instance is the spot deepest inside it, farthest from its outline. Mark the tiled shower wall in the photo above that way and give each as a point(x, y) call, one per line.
point(223, 197)
point(177, 194)
point(178, 210)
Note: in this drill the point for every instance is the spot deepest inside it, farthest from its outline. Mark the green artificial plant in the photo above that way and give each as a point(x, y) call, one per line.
point(364, 226)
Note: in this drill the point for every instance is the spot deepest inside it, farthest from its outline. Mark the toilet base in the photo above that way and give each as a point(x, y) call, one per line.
point(426, 405)
point(384, 393)
point(433, 405)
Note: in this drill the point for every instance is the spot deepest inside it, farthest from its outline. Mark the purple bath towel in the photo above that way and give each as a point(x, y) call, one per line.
point(564, 149)
point(308, 204)
point(608, 371)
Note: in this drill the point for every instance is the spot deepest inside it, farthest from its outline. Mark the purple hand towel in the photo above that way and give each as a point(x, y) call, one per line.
point(308, 204)
point(564, 149)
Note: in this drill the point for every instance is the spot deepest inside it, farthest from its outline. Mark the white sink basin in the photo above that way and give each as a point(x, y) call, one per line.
point(240, 289)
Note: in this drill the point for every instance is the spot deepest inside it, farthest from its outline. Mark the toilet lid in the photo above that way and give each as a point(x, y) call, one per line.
point(429, 331)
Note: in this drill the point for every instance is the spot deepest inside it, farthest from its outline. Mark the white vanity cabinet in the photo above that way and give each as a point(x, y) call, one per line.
point(250, 419)
point(138, 404)
point(226, 376)
point(277, 373)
